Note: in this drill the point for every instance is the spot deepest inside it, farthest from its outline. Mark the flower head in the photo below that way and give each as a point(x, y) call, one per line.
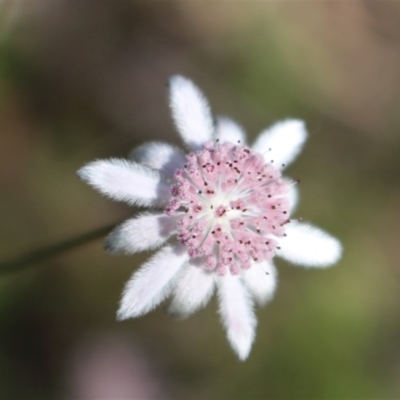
point(221, 213)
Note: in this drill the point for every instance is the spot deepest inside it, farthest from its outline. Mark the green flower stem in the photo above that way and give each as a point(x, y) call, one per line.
point(34, 257)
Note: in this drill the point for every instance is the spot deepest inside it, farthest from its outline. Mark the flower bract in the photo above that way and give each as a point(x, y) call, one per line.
point(220, 213)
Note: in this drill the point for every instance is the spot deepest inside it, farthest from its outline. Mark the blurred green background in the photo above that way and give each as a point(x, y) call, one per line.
point(85, 79)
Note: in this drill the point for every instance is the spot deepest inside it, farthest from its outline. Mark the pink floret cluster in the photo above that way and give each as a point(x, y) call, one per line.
point(234, 205)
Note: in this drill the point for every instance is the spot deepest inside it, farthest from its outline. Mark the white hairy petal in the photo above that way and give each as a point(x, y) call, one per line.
point(236, 310)
point(282, 142)
point(191, 112)
point(293, 195)
point(126, 181)
point(152, 283)
point(193, 291)
point(228, 130)
point(261, 280)
point(309, 246)
point(144, 232)
point(159, 155)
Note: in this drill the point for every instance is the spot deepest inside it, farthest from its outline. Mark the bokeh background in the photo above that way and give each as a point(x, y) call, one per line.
point(85, 79)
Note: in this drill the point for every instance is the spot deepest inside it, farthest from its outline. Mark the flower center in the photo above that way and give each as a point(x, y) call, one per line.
point(233, 206)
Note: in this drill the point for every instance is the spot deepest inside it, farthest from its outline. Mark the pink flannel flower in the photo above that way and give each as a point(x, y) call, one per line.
point(221, 213)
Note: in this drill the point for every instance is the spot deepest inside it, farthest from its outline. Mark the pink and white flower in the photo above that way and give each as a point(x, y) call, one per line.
point(220, 215)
